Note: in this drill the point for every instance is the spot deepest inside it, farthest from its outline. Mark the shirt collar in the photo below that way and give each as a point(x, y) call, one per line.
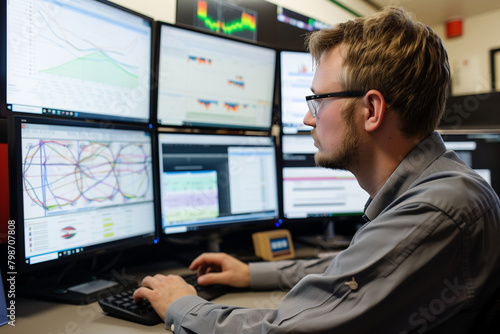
point(405, 174)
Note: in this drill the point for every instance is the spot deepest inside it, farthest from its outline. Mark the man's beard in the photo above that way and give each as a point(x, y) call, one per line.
point(347, 155)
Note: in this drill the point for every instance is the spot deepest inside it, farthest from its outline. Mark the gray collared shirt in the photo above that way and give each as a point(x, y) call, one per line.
point(424, 262)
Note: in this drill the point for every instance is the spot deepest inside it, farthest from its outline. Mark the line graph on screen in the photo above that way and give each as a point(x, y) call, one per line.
point(82, 57)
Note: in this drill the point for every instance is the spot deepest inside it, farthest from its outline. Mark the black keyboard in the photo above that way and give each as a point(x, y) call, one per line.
point(207, 292)
point(122, 305)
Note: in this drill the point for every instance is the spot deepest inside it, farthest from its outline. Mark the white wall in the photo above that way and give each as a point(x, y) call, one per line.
point(160, 10)
point(469, 54)
point(323, 10)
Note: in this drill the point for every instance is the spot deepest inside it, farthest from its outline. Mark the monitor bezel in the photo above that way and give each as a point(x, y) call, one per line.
point(468, 131)
point(16, 195)
point(211, 126)
point(207, 231)
point(5, 112)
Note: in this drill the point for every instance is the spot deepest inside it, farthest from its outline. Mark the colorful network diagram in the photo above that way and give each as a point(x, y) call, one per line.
point(70, 174)
point(226, 18)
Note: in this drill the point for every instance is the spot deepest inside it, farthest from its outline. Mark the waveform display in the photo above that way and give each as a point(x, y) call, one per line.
point(200, 60)
point(231, 20)
point(190, 195)
point(207, 103)
point(192, 200)
point(65, 174)
point(231, 107)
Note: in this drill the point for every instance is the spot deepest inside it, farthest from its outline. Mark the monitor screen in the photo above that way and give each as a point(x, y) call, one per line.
point(214, 181)
point(207, 80)
point(79, 189)
point(479, 149)
point(310, 191)
point(296, 79)
point(78, 59)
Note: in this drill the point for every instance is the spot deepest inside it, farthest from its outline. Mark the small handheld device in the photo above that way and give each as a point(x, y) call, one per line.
point(273, 245)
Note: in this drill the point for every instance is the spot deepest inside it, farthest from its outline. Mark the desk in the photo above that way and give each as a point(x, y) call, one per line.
point(41, 317)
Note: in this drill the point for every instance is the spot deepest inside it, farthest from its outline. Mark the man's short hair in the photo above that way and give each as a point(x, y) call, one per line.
point(392, 53)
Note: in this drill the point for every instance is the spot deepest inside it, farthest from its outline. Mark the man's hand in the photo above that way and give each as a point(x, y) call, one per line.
point(161, 291)
point(220, 268)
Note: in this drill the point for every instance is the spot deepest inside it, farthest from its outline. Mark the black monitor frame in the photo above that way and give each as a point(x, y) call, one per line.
point(210, 236)
point(16, 196)
point(47, 111)
point(480, 159)
point(326, 229)
point(204, 125)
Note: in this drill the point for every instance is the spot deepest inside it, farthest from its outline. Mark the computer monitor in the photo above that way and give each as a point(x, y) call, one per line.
point(479, 149)
point(208, 80)
point(79, 190)
point(213, 183)
point(310, 191)
point(296, 78)
point(316, 194)
point(86, 59)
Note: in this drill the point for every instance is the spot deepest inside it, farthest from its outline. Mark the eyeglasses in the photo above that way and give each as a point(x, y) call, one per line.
point(314, 101)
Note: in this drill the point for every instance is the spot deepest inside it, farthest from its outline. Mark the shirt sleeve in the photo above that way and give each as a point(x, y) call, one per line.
point(378, 285)
point(284, 274)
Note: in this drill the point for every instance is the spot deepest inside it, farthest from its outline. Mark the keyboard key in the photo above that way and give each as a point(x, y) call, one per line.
point(122, 305)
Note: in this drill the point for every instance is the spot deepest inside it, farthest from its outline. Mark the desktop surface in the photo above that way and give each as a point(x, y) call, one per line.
point(37, 316)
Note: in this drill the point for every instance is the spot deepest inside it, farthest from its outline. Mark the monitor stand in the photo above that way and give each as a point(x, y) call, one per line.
point(195, 246)
point(213, 242)
point(328, 239)
point(74, 286)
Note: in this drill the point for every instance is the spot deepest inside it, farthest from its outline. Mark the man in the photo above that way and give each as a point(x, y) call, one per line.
point(425, 260)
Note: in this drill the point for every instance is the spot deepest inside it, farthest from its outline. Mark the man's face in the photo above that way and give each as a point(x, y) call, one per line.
point(334, 133)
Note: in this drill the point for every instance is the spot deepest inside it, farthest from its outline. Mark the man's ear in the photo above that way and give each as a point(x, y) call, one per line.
point(374, 104)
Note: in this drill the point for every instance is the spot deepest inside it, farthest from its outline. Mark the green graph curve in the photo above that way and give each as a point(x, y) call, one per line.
point(96, 67)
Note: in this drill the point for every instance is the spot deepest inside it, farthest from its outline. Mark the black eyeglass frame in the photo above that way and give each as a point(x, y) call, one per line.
point(314, 106)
